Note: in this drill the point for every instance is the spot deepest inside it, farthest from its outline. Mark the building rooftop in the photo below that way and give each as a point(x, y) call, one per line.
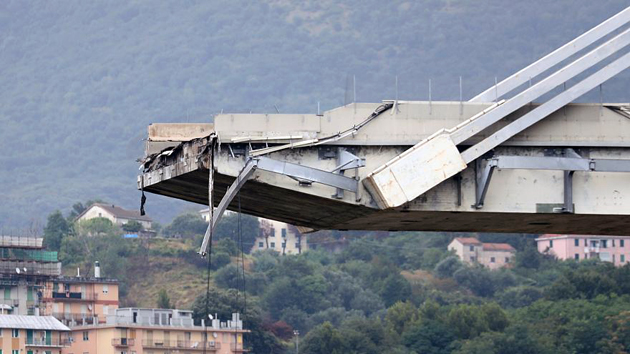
point(32, 322)
point(21, 241)
point(498, 247)
point(118, 212)
point(556, 236)
point(468, 240)
point(79, 280)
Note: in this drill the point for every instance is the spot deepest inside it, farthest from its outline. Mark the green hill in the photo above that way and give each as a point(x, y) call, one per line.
point(81, 80)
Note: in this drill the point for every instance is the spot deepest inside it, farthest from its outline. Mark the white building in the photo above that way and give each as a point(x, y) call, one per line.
point(274, 235)
point(115, 214)
point(472, 251)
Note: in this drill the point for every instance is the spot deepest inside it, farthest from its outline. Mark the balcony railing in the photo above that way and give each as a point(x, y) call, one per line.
point(10, 302)
point(74, 296)
point(180, 344)
point(123, 342)
point(47, 342)
point(238, 348)
point(72, 319)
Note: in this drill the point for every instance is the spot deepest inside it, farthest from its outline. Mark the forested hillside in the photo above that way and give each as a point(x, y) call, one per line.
point(81, 80)
point(394, 293)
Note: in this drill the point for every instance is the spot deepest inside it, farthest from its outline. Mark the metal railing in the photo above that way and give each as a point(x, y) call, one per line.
point(238, 347)
point(70, 319)
point(74, 296)
point(47, 342)
point(180, 344)
point(123, 342)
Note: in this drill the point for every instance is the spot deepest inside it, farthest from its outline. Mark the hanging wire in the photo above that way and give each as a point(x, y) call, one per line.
point(209, 265)
point(240, 240)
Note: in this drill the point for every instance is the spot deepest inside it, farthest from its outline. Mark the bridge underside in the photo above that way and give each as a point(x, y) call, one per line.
point(319, 213)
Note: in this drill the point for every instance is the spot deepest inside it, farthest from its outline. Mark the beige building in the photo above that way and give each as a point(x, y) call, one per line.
point(32, 335)
point(472, 251)
point(274, 235)
point(80, 300)
point(115, 214)
point(157, 331)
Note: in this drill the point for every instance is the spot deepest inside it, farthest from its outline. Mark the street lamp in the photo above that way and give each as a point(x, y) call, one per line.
point(296, 333)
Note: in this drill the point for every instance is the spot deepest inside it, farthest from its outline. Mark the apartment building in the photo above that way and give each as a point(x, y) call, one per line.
point(472, 251)
point(32, 335)
point(24, 269)
point(157, 331)
point(613, 249)
point(80, 300)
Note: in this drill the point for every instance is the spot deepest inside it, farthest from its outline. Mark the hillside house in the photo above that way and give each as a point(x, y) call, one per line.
point(472, 251)
point(115, 214)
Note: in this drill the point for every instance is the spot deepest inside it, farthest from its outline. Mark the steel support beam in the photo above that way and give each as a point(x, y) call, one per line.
point(306, 173)
point(547, 108)
point(567, 164)
point(600, 31)
point(561, 76)
point(240, 180)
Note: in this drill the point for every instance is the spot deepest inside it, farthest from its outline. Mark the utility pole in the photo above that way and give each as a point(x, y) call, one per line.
point(296, 333)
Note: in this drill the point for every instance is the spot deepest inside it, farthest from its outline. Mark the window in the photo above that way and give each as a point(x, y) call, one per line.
point(577, 256)
point(604, 243)
point(472, 248)
point(492, 259)
point(613, 243)
point(261, 244)
point(621, 243)
point(15, 351)
point(297, 245)
point(0, 336)
point(7, 293)
point(472, 259)
point(100, 215)
point(507, 259)
point(550, 243)
point(585, 255)
point(284, 232)
point(15, 333)
point(284, 245)
point(86, 335)
point(585, 243)
point(577, 242)
point(273, 245)
point(273, 232)
point(105, 288)
point(622, 259)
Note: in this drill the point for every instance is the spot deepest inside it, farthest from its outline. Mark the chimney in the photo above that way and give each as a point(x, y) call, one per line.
point(97, 270)
point(78, 272)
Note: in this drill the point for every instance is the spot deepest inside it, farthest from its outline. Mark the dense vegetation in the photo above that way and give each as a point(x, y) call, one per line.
point(384, 293)
point(81, 80)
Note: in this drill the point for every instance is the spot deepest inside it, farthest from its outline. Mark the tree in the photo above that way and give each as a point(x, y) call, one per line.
point(132, 226)
point(228, 228)
point(429, 337)
point(323, 339)
point(163, 301)
point(55, 230)
point(186, 225)
point(395, 288)
point(447, 267)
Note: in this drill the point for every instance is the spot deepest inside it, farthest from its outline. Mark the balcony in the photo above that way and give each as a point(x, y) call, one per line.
point(123, 342)
point(238, 348)
point(180, 344)
point(10, 302)
point(47, 342)
point(74, 296)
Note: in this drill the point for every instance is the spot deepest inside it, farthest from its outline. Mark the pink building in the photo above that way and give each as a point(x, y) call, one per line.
point(614, 249)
